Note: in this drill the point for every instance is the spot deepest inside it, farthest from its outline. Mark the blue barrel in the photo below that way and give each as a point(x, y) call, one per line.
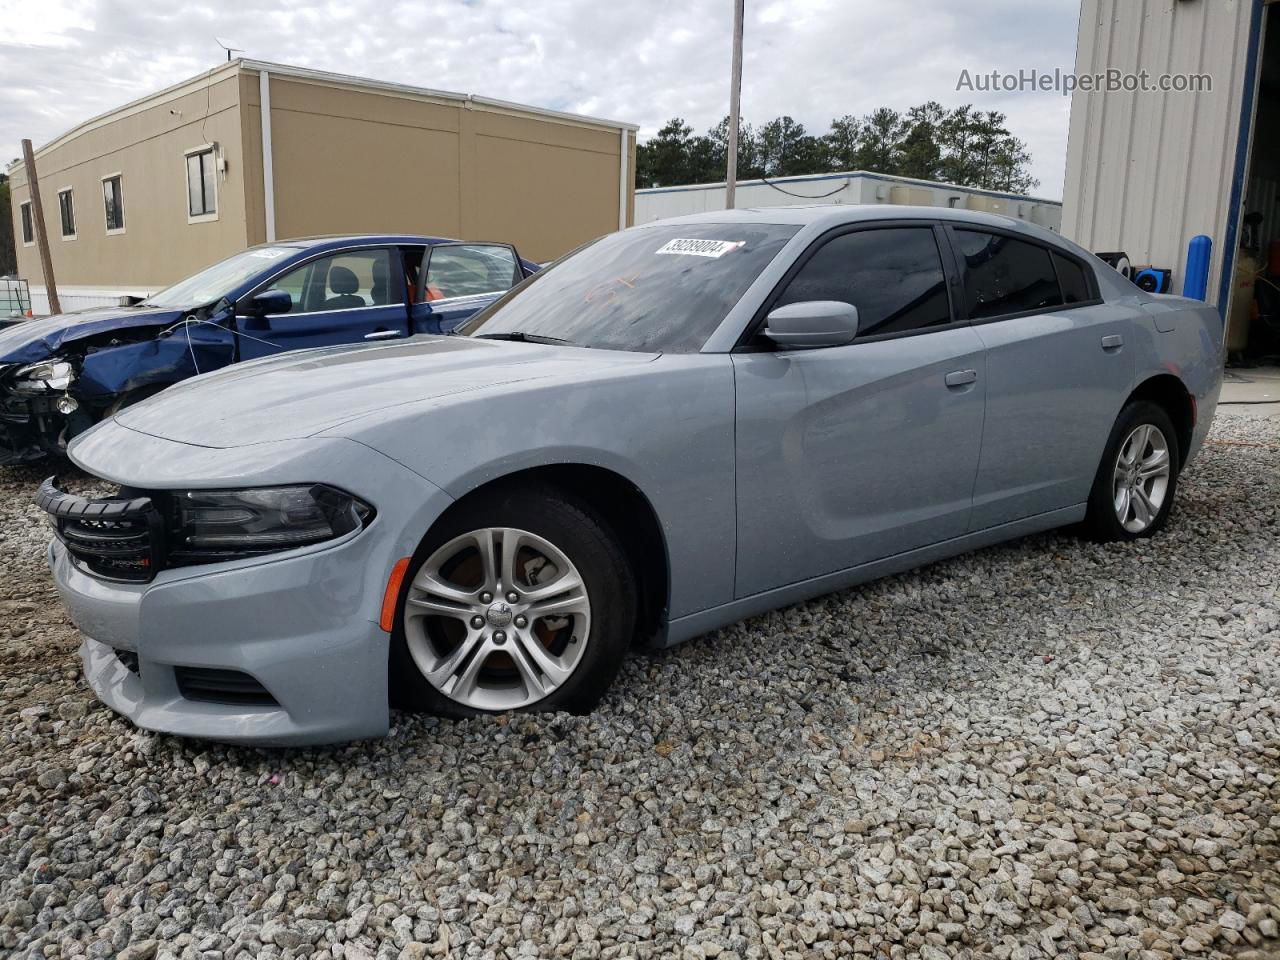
point(1196, 285)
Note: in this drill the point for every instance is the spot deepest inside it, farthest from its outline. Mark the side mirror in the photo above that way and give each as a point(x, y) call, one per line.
point(813, 323)
point(268, 302)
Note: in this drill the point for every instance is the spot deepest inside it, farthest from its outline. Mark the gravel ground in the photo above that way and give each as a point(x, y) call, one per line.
point(1045, 749)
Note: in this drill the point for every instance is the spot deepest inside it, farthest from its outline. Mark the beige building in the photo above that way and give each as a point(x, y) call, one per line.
point(250, 152)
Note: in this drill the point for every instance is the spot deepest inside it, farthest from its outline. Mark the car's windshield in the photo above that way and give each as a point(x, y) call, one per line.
point(215, 282)
point(662, 289)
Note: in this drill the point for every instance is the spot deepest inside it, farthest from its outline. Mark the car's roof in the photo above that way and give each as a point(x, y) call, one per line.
point(833, 215)
point(345, 239)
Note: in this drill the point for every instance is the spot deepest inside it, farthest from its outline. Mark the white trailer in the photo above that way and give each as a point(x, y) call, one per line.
point(858, 187)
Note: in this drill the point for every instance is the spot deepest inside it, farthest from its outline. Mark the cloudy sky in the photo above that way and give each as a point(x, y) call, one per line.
point(62, 61)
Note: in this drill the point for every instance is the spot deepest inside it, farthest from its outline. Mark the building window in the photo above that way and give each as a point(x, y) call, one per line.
point(28, 227)
point(67, 210)
point(202, 188)
point(113, 202)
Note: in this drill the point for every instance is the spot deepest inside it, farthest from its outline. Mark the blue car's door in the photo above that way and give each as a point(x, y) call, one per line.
point(855, 453)
point(459, 280)
point(1058, 371)
point(349, 296)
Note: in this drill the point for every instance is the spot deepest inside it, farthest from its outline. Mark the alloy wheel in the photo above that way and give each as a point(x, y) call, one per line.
point(497, 619)
point(1140, 483)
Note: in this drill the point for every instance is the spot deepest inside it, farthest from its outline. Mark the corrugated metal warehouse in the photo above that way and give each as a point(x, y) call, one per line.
point(856, 187)
point(146, 194)
point(1148, 170)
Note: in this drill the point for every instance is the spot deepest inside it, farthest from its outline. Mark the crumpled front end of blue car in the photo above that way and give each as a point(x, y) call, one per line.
point(37, 412)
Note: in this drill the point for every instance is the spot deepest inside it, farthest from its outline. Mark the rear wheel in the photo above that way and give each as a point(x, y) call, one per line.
point(1134, 488)
point(519, 601)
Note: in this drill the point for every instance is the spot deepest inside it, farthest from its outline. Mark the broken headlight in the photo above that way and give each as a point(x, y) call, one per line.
point(224, 524)
point(44, 376)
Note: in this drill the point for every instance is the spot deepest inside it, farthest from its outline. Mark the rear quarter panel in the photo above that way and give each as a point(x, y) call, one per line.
point(1184, 338)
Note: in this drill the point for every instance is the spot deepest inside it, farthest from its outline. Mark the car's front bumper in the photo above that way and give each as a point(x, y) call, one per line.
point(30, 428)
point(289, 626)
point(300, 628)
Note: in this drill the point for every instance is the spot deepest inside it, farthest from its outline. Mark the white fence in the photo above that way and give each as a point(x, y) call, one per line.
point(82, 298)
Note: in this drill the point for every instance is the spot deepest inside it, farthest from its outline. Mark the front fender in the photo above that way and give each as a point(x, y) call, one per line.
point(666, 426)
point(161, 361)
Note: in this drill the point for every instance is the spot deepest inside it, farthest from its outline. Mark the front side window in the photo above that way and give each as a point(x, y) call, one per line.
point(664, 288)
point(28, 225)
point(467, 270)
point(1004, 275)
point(893, 276)
point(202, 191)
point(345, 281)
point(113, 202)
point(67, 210)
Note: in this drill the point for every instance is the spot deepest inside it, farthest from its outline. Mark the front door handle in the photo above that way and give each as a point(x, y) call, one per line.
point(382, 334)
point(961, 378)
point(1112, 342)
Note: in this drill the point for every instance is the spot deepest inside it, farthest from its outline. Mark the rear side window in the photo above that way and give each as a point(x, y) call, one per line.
point(468, 270)
point(894, 277)
point(1004, 276)
point(1075, 283)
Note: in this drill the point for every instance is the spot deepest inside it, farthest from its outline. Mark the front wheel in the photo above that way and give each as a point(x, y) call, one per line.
point(1134, 488)
point(518, 601)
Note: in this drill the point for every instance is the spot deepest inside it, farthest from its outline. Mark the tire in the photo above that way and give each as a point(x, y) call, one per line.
point(483, 658)
point(1107, 501)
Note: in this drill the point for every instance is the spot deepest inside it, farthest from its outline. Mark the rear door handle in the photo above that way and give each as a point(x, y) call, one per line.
point(961, 378)
point(1112, 342)
point(382, 334)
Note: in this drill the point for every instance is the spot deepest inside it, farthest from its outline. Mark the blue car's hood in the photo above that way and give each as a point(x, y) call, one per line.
point(305, 392)
point(34, 340)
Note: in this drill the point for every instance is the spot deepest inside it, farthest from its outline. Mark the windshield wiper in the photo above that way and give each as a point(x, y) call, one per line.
point(518, 337)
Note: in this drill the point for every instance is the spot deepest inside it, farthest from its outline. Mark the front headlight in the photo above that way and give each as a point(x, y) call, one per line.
point(45, 375)
point(227, 523)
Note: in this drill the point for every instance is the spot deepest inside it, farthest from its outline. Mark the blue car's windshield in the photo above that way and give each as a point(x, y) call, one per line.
point(213, 283)
point(663, 288)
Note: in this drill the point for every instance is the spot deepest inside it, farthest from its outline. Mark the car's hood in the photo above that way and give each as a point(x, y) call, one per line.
point(34, 340)
point(303, 393)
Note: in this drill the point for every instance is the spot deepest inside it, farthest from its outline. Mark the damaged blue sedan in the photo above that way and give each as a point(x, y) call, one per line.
point(60, 375)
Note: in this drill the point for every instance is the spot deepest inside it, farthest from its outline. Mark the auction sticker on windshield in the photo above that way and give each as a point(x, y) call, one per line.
point(701, 248)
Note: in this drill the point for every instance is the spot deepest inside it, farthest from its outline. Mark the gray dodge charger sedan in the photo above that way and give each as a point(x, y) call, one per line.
point(672, 428)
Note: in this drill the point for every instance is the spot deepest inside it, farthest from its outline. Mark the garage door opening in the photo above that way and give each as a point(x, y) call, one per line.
point(1253, 317)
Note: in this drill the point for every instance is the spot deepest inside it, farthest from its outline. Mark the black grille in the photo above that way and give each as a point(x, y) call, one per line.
point(120, 538)
point(129, 659)
point(222, 686)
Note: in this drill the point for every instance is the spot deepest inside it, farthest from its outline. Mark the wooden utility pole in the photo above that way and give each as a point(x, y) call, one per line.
point(37, 222)
point(735, 104)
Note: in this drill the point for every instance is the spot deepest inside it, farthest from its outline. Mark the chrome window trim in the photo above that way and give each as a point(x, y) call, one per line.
point(317, 313)
point(465, 296)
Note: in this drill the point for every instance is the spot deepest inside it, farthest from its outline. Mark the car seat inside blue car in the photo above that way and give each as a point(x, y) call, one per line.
point(344, 283)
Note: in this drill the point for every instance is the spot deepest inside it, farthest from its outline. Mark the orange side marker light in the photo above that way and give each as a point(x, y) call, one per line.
point(388, 619)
